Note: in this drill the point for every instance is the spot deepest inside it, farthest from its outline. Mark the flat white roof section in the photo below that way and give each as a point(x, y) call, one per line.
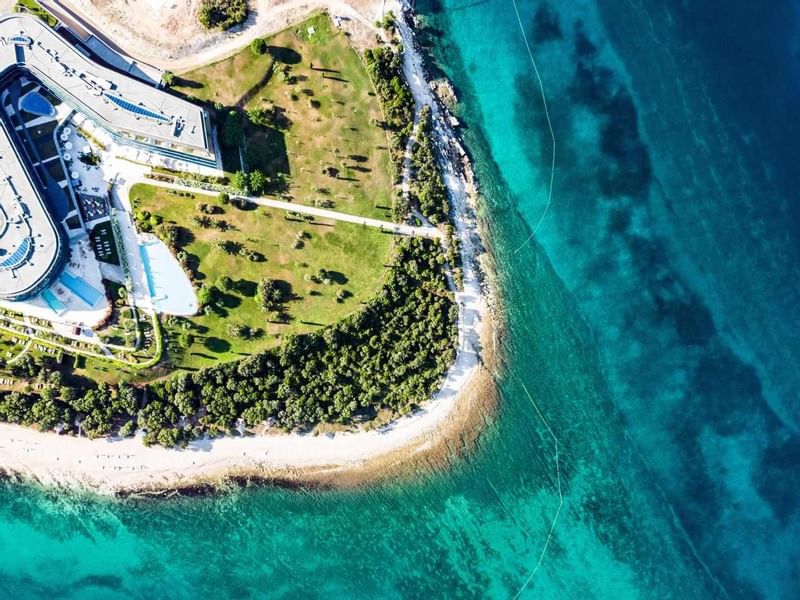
point(119, 102)
point(30, 244)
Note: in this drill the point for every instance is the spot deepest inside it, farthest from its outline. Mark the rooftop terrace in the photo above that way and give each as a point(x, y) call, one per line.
point(119, 102)
point(31, 247)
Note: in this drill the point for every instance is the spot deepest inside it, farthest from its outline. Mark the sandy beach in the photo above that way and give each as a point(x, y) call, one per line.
point(113, 465)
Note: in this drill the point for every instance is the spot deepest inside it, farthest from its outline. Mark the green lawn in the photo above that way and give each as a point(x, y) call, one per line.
point(353, 255)
point(8, 345)
point(327, 117)
point(37, 9)
point(226, 81)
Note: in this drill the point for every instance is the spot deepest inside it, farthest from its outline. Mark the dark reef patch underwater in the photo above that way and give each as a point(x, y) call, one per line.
point(653, 321)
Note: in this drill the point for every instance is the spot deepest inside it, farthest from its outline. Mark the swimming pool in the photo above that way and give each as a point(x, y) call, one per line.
point(170, 289)
point(37, 104)
point(53, 302)
point(79, 287)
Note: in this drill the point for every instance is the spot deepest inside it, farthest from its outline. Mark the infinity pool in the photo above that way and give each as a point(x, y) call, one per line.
point(170, 289)
point(79, 287)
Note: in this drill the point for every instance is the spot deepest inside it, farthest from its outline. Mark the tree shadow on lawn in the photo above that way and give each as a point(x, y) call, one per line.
point(192, 264)
point(286, 289)
point(337, 277)
point(229, 300)
point(254, 89)
point(246, 287)
point(217, 345)
point(285, 55)
point(266, 151)
point(185, 236)
point(197, 328)
point(183, 82)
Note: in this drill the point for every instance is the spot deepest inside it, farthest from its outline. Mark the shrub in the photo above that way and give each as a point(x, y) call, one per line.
point(257, 181)
point(259, 46)
point(222, 14)
point(241, 181)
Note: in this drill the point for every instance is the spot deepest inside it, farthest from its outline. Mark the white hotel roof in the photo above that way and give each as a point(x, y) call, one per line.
point(28, 235)
point(125, 104)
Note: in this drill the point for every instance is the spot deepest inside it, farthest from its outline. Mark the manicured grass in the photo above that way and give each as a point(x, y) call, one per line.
point(8, 345)
point(226, 81)
point(353, 255)
point(329, 117)
point(37, 9)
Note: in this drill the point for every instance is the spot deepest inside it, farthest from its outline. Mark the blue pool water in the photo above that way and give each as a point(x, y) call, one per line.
point(170, 289)
point(53, 302)
point(37, 104)
point(80, 288)
point(147, 270)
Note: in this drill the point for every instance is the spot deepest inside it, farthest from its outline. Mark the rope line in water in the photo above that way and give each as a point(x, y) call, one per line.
point(558, 486)
point(549, 126)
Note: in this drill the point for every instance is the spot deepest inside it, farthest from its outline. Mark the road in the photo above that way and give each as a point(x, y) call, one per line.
point(268, 20)
point(322, 213)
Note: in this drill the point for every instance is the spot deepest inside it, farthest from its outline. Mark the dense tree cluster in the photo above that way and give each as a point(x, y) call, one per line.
point(385, 66)
point(391, 354)
point(222, 14)
point(95, 411)
point(255, 182)
point(428, 187)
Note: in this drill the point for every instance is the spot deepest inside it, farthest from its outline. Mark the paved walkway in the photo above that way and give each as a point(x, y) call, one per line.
point(322, 213)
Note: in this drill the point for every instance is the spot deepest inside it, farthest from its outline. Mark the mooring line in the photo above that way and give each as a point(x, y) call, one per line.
point(558, 486)
point(549, 126)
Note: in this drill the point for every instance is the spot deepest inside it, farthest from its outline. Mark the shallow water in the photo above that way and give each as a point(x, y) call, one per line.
point(652, 336)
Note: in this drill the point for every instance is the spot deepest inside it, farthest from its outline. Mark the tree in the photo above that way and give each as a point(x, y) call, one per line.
point(222, 14)
point(207, 296)
point(170, 233)
point(259, 116)
point(241, 182)
point(388, 21)
point(238, 330)
point(168, 78)
point(128, 429)
point(269, 294)
point(259, 46)
point(258, 182)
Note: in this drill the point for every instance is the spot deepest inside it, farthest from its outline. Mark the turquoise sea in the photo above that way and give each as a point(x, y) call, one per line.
point(646, 444)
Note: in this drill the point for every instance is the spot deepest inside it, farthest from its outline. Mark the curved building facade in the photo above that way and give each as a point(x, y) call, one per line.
point(32, 246)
